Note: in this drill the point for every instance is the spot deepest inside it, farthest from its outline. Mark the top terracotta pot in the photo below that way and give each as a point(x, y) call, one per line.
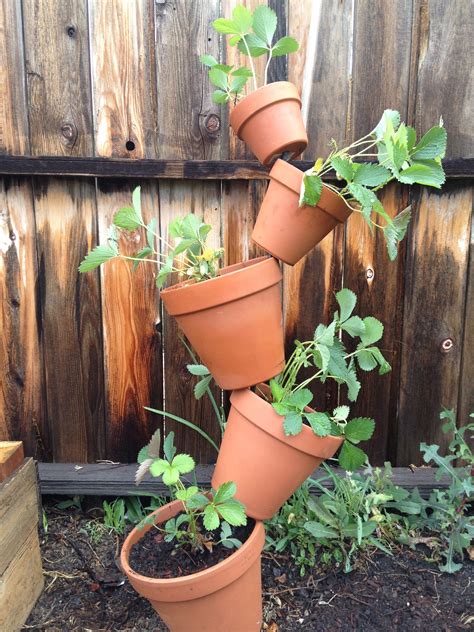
point(234, 321)
point(269, 120)
point(287, 230)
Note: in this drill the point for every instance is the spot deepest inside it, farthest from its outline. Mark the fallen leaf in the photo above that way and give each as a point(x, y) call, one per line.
point(281, 578)
point(273, 627)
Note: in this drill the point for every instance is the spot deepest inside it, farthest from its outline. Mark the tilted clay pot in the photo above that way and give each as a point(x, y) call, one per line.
point(265, 464)
point(269, 121)
point(287, 230)
point(234, 321)
point(225, 597)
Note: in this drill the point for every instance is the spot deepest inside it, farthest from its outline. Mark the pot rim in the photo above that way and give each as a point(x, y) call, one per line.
point(267, 95)
point(190, 297)
point(290, 177)
point(270, 422)
point(201, 583)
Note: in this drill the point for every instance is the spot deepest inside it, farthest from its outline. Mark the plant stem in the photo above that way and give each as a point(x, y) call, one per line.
point(254, 76)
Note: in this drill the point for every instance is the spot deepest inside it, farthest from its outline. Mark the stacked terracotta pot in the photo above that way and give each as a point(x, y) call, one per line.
point(234, 322)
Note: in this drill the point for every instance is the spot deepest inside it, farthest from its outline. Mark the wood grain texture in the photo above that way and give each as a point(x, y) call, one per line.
point(22, 406)
point(435, 290)
point(189, 123)
point(445, 86)
point(11, 457)
point(131, 330)
point(178, 199)
point(123, 77)
point(13, 110)
point(71, 322)
point(58, 77)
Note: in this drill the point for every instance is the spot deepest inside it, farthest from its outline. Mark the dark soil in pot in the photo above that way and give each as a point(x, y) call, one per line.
point(153, 557)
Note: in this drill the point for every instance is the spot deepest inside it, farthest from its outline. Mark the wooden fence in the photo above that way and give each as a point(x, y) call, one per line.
point(80, 355)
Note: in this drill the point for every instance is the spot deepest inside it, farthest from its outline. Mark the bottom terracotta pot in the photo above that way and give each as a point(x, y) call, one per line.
point(224, 598)
point(265, 464)
point(289, 231)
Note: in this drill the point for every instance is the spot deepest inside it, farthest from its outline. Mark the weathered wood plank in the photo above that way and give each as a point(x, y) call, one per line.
point(178, 199)
point(70, 316)
point(118, 479)
point(435, 291)
point(58, 77)
point(130, 324)
point(22, 408)
point(123, 77)
point(445, 87)
point(11, 457)
point(13, 110)
point(189, 123)
point(466, 386)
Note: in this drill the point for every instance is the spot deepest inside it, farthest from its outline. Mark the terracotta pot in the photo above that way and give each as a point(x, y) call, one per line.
point(234, 321)
point(265, 464)
point(269, 120)
point(284, 229)
point(226, 597)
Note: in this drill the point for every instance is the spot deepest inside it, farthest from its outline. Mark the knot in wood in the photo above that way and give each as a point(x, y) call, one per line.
point(369, 274)
point(69, 131)
point(212, 123)
point(71, 31)
point(447, 345)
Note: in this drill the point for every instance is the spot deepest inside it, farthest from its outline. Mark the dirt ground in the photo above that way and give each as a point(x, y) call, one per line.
point(85, 590)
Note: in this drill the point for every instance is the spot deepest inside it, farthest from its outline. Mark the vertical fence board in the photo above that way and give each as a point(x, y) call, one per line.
point(132, 341)
point(21, 362)
point(13, 112)
point(435, 292)
point(66, 230)
point(177, 199)
point(58, 78)
point(466, 388)
point(123, 78)
point(381, 79)
point(445, 84)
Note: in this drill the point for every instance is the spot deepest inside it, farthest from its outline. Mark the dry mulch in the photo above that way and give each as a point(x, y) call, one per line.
point(85, 590)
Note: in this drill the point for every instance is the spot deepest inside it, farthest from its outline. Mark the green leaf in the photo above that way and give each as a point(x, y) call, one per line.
point(211, 518)
point(237, 84)
point(137, 203)
point(343, 167)
point(325, 335)
point(143, 455)
point(242, 72)
point(280, 408)
point(346, 300)
point(322, 356)
point(285, 46)
point(383, 364)
point(359, 530)
point(426, 172)
point(359, 429)
point(277, 391)
point(233, 512)
point(320, 423)
point(158, 467)
point(341, 413)
point(431, 145)
point(170, 475)
point(311, 190)
point(127, 218)
point(225, 492)
point(395, 232)
point(293, 424)
point(366, 360)
point(242, 18)
point(197, 369)
point(162, 275)
point(225, 26)
point(353, 385)
point(390, 120)
point(354, 326)
point(218, 78)
point(373, 331)
point(98, 256)
point(264, 23)
point(300, 399)
point(319, 530)
point(142, 254)
point(218, 96)
point(150, 232)
point(371, 174)
point(351, 457)
point(183, 463)
point(256, 46)
point(168, 446)
point(202, 386)
point(186, 494)
point(197, 501)
point(208, 60)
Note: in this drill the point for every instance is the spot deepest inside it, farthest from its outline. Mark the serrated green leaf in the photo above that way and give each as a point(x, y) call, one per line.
point(354, 326)
point(390, 120)
point(383, 364)
point(411, 137)
point(98, 256)
point(395, 232)
point(183, 463)
point(431, 145)
point(346, 300)
point(162, 275)
point(169, 447)
point(197, 501)
point(371, 175)
point(233, 512)
point(218, 78)
point(150, 232)
point(256, 46)
point(197, 369)
point(311, 189)
point(343, 167)
point(373, 331)
point(293, 424)
point(325, 335)
point(143, 455)
point(353, 385)
point(300, 399)
point(211, 518)
point(225, 492)
point(341, 413)
point(320, 423)
point(219, 96)
point(280, 408)
point(142, 254)
point(202, 386)
point(366, 360)
point(359, 429)
point(426, 172)
point(158, 467)
point(237, 84)
point(127, 218)
point(319, 530)
point(170, 475)
point(185, 494)
point(242, 72)
point(351, 457)
point(208, 60)
point(321, 357)
point(264, 23)
point(277, 390)
point(137, 202)
point(285, 46)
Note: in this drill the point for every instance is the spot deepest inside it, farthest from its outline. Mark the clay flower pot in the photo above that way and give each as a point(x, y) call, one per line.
point(269, 120)
point(234, 321)
point(284, 229)
point(265, 464)
point(226, 596)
